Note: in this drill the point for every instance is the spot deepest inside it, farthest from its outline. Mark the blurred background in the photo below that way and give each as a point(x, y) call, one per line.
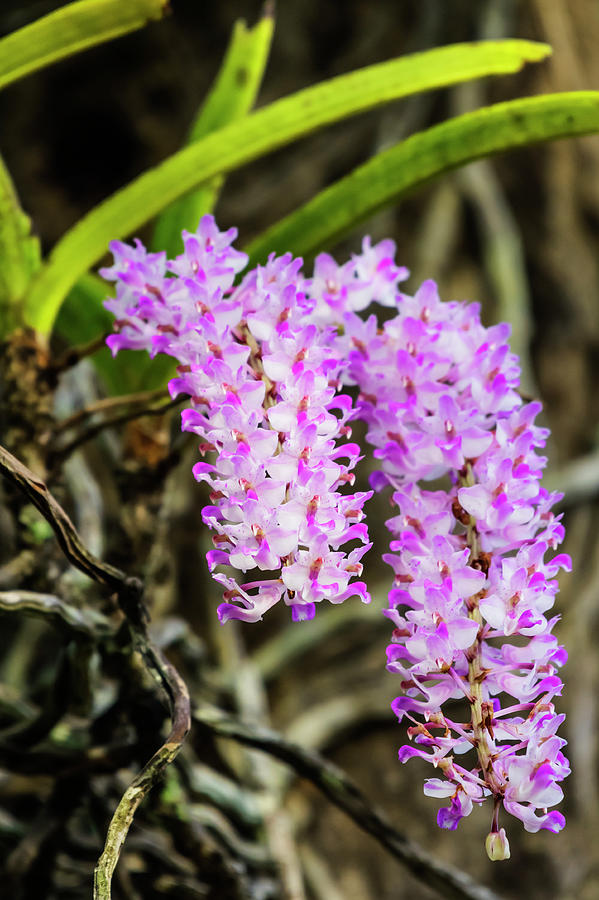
point(519, 234)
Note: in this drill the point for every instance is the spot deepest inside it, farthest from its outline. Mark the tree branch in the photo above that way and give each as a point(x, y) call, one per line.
point(128, 589)
point(141, 398)
point(147, 778)
point(61, 453)
point(72, 355)
point(86, 622)
point(344, 793)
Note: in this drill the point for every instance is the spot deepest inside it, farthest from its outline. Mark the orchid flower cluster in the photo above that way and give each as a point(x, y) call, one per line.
point(472, 587)
point(262, 370)
point(265, 365)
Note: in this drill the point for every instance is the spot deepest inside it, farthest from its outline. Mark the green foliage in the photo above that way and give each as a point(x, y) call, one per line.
point(392, 174)
point(70, 29)
point(82, 316)
point(61, 33)
point(232, 96)
point(261, 132)
point(19, 253)
point(225, 136)
point(37, 527)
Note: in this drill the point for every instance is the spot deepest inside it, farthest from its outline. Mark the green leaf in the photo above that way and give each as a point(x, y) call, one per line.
point(259, 133)
point(83, 318)
point(70, 29)
point(232, 96)
point(19, 253)
point(391, 175)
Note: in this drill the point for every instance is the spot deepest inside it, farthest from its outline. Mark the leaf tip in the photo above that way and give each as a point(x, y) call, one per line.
point(539, 51)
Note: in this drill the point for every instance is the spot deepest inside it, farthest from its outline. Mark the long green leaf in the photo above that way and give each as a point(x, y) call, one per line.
point(82, 316)
point(70, 29)
point(391, 175)
point(19, 252)
point(232, 96)
point(256, 134)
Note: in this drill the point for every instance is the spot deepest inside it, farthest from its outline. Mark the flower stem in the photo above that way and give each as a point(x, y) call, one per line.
point(476, 672)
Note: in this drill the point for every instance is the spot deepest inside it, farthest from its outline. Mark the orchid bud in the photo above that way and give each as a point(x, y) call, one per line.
point(497, 845)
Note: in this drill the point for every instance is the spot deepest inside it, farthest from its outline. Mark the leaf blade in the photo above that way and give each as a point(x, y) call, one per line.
point(69, 30)
point(401, 169)
point(19, 252)
point(259, 133)
point(82, 316)
point(231, 97)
